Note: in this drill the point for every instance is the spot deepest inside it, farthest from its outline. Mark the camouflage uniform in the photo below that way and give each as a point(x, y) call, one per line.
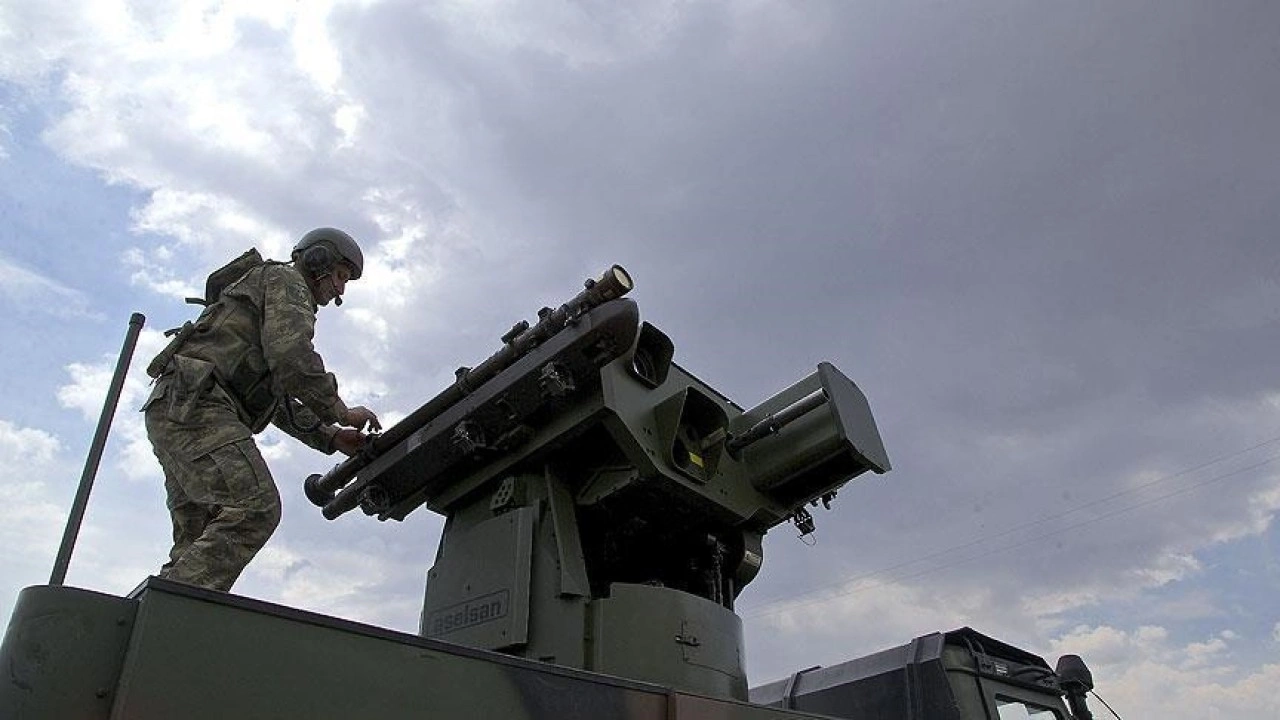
point(250, 352)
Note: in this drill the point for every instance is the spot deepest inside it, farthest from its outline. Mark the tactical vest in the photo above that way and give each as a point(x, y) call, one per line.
point(228, 335)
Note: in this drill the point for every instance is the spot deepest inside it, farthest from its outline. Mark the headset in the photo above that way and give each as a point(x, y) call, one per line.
point(319, 260)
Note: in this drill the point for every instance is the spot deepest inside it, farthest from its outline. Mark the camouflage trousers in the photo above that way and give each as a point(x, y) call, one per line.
point(220, 494)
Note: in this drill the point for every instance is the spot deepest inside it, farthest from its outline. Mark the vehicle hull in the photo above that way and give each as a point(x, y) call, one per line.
point(170, 650)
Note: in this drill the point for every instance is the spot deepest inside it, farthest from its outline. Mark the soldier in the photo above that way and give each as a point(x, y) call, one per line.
point(246, 362)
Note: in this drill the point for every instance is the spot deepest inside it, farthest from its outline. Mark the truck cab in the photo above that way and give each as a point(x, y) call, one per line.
point(958, 675)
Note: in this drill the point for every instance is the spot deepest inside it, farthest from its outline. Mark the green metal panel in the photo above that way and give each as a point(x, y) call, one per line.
point(572, 567)
point(960, 675)
point(204, 656)
point(852, 414)
point(62, 654)
point(199, 655)
point(665, 636)
point(692, 707)
point(559, 588)
point(478, 592)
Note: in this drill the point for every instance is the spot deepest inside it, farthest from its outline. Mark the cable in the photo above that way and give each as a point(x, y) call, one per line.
point(1032, 523)
point(1104, 702)
point(1007, 548)
point(762, 611)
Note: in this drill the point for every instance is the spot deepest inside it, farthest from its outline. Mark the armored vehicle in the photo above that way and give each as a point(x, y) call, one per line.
point(604, 510)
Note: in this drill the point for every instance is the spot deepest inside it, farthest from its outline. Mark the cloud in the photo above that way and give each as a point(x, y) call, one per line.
point(29, 291)
point(86, 392)
point(115, 548)
point(35, 505)
point(190, 81)
point(1044, 254)
point(1143, 672)
point(1029, 555)
point(26, 445)
point(830, 630)
point(265, 155)
point(348, 583)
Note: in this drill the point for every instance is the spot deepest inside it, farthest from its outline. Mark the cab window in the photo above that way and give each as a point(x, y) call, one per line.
point(1011, 709)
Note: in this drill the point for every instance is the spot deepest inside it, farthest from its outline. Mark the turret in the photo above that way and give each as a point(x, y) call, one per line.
point(604, 507)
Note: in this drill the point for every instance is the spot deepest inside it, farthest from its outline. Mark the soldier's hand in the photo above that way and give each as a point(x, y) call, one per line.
point(360, 416)
point(348, 441)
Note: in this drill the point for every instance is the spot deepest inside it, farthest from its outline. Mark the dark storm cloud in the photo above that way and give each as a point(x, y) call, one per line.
point(1040, 237)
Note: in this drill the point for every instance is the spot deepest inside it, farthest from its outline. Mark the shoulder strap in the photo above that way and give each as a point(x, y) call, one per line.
point(228, 274)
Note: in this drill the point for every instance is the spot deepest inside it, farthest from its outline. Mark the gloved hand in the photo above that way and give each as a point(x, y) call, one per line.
point(359, 416)
point(348, 441)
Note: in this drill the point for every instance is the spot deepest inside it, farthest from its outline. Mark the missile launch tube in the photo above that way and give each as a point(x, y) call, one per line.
point(614, 283)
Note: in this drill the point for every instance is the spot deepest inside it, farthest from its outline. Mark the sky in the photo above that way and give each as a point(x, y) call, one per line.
point(1041, 237)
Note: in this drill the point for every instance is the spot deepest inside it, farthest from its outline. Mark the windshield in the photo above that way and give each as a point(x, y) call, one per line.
point(1018, 710)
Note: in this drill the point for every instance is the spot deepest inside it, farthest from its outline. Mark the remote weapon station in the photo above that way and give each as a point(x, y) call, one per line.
point(604, 509)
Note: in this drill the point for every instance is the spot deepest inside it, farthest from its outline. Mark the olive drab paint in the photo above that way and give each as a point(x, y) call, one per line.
point(468, 614)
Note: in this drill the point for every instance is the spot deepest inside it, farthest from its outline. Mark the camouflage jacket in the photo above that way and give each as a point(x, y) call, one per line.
point(253, 348)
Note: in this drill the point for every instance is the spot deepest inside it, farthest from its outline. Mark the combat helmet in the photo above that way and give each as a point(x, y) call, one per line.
point(319, 250)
